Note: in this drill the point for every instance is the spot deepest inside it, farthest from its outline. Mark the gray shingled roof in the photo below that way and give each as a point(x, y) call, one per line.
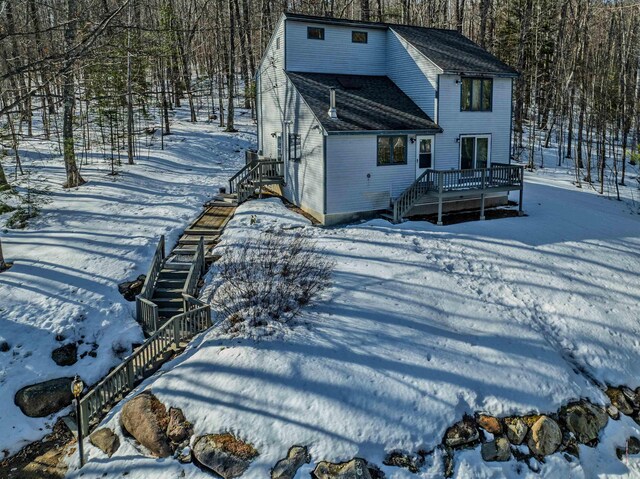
point(369, 103)
point(450, 50)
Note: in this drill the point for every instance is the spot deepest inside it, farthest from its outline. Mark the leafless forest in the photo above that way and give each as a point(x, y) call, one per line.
point(89, 73)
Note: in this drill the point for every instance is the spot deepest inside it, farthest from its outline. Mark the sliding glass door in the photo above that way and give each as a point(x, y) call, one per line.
point(475, 152)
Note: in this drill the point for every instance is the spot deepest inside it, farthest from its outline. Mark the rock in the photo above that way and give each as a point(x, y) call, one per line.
point(632, 396)
point(145, 418)
point(619, 400)
point(517, 430)
point(66, 355)
point(184, 456)
point(545, 437)
point(496, 450)
point(613, 412)
point(286, 468)
point(130, 289)
point(223, 454)
point(569, 445)
point(105, 440)
point(179, 429)
point(354, 469)
point(4, 346)
point(463, 433)
point(449, 463)
point(42, 399)
point(631, 448)
point(401, 459)
point(585, 421)
point(490, 424)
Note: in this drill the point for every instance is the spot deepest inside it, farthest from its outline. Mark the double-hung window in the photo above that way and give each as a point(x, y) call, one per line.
point(295, 147)
point(279, 146)
point(476, 94)
point(315, 33)
point(392, 150)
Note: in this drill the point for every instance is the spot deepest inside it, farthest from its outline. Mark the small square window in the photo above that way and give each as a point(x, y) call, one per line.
point(359, 37)
point(315, 33)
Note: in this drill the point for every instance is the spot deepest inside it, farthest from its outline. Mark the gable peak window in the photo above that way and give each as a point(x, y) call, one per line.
point(315, 33)
point(359, 37)
point(476, 94)
point(392, 150)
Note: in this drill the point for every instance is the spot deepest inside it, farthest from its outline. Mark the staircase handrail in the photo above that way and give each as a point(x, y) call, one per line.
point(404, 202)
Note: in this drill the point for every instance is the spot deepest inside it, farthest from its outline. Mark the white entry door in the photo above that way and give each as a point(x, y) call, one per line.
point(424, 154)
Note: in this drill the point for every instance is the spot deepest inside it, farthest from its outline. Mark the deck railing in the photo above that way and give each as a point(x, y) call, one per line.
point(156, 350)
point(253, 175)
point(195, 272)
point(146, 311)
point(445, 181)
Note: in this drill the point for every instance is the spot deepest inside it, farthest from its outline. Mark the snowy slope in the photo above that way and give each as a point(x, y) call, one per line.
point(422, 325)
point(70, 260)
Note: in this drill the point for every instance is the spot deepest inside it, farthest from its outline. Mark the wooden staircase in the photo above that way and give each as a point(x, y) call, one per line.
point(254, 175)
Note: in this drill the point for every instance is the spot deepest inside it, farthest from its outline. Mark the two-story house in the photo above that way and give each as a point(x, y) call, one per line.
point(357, 118)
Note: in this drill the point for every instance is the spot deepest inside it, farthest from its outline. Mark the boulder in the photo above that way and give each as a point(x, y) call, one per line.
point(66, 355)
point(496, 450)
point(105, 440)
point(130, 289)
point(411, 462)
point(545, 436)
point(145, 418)
point(632, 396)
point(619, 400)
point(179, 429)
point(288, 467)
point(613, 412)
point(585, 421)
point(463, 433)
point(223, 454)
point(490, 424)
point(4, 346)
point(516, 429)
point(632, 447)
point(354, 469)
point(43, 399)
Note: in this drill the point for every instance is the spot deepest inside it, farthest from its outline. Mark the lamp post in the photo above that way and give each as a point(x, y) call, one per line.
point(77, 386)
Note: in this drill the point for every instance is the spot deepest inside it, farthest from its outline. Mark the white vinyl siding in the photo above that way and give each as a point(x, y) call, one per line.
point(279, 102)
point(354, 181)
point(495, 123)
point(336, 53)
point(414, 74)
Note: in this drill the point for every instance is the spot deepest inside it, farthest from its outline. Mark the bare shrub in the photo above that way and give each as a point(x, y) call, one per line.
point(265, 281)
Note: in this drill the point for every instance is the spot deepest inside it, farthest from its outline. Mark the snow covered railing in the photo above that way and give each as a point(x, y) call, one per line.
point(146, 311)
point(254, 175)
point(144, 361)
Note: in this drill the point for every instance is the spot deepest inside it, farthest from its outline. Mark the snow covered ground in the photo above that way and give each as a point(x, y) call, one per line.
point(421, 325)
point(69, 261)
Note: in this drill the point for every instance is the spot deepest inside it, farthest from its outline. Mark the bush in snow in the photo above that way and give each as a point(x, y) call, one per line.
point(265, 281)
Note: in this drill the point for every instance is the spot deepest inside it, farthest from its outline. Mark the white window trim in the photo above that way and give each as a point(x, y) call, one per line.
point(475, 149)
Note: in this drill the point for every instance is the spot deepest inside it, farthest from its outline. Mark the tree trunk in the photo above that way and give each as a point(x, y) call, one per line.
point(231, 67)
point(68, 99)
point(3, 264)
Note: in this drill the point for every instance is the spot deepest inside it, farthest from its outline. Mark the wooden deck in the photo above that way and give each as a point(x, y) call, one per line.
point(208, 225)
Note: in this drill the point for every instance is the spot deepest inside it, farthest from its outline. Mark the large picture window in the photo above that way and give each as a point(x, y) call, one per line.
point(476, 94)
point(392, 150)
point(295, 147)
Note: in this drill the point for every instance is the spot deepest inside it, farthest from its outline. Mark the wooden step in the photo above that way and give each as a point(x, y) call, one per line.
point(168, 313)
point(177, 265)
point(168, 293)
point(203, 231)
point(168, 303)
point(192, 239)
point(172, 274)
point(167, 283)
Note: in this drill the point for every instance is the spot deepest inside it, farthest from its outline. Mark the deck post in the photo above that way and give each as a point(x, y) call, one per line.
point(520, 212)
point(484, 174)
point(440, 186)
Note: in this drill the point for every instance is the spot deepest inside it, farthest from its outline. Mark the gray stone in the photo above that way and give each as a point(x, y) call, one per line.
point(631, 396)
point(286, 468)
point(223, 454)
point(491, 424)
point(66, 355)
point(545, 437)
point(179, 429)
point(463, 433)
point(43, 399)
point(585, 421)
point(412, 462)
point(105, 440)
point(4, 346)
point(130, 289)
point(496, 450)
point(145, 418)
point(619, 400)
point(517, 430)
point(354, 469)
